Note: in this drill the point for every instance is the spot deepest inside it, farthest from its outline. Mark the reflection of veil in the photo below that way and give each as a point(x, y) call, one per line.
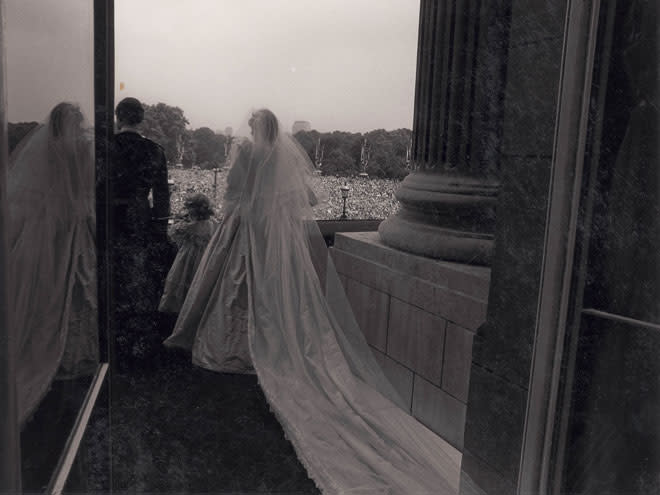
point(52, 250)
point(345, 420)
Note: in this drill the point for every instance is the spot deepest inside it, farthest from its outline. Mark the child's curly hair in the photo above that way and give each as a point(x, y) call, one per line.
point(199, 206)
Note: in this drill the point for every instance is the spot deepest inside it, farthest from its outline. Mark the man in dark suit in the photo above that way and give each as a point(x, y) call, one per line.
point(139, 241)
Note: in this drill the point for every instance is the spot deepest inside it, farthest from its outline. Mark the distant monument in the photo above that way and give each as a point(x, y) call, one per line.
point(409, 154)
point(365, 154)
point(318, 155)
point(227, 133)
point(301, 125)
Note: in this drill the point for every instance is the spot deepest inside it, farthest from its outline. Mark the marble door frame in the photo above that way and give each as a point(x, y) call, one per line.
point(541, 457)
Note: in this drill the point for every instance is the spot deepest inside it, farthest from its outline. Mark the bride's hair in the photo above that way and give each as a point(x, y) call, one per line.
point(267, 122)
point(66, 133)
point(65, 119)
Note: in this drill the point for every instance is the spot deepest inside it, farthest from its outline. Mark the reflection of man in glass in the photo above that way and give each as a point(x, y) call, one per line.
point(139, 167)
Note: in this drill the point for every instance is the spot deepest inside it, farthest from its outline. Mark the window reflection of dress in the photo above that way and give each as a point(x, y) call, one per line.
point(53, 258)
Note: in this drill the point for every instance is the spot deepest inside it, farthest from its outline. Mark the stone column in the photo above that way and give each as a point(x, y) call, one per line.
point(447, 204)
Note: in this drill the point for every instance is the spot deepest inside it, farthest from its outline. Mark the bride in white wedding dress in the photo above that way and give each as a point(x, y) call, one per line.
point(257, 305)
point(52, 276)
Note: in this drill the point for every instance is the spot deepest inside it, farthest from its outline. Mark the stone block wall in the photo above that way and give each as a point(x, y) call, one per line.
point(419, 316)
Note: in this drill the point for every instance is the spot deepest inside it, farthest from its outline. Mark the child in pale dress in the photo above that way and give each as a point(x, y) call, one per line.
point(191, 237)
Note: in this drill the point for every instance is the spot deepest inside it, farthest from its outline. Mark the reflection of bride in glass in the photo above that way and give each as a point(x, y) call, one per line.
point(257, 304)
point(53, 259)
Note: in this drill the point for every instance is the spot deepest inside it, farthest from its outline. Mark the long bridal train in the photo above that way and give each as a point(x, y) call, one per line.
point(257, 304)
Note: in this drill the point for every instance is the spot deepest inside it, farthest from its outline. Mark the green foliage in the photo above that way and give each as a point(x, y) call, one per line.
point(167, 126)
point(342, 152)
point(387, 157)
point(338, 162)
point(208, 147)
point(308, 140)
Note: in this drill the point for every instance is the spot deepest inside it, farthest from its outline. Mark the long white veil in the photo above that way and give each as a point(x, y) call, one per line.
point(52, 250)
point(345, 420)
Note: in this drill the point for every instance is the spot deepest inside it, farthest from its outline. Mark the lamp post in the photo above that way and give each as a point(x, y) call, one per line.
point(170, 188)
point(364, 158)
point(344, 194)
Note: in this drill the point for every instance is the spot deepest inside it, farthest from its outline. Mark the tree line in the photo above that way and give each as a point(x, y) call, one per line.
point(377, 153)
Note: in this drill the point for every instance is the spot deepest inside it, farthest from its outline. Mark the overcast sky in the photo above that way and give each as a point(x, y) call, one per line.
point(340, 64)
point(49, 57)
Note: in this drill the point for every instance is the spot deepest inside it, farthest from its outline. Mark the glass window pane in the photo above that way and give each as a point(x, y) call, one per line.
point(53, 288)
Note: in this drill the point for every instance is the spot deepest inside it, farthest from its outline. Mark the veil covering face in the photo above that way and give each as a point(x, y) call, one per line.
point(52, 251)
point(347, 423)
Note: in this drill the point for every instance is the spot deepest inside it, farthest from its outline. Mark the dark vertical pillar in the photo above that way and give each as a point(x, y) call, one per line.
point(104, 129)
point(448, 201)
point(10, 456)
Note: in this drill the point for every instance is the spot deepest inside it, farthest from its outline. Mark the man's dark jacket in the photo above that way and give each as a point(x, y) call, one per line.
point(138, 165)
point(139, 248)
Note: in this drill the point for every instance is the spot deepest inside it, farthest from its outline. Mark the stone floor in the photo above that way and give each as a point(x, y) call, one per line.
point(175, 428)
point(163, 425)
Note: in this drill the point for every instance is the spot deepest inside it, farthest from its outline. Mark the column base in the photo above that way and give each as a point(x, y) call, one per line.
point(436, 242)
point(444, 216)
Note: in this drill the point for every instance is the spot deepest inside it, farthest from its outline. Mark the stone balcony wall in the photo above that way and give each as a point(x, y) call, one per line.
point(419, 315)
